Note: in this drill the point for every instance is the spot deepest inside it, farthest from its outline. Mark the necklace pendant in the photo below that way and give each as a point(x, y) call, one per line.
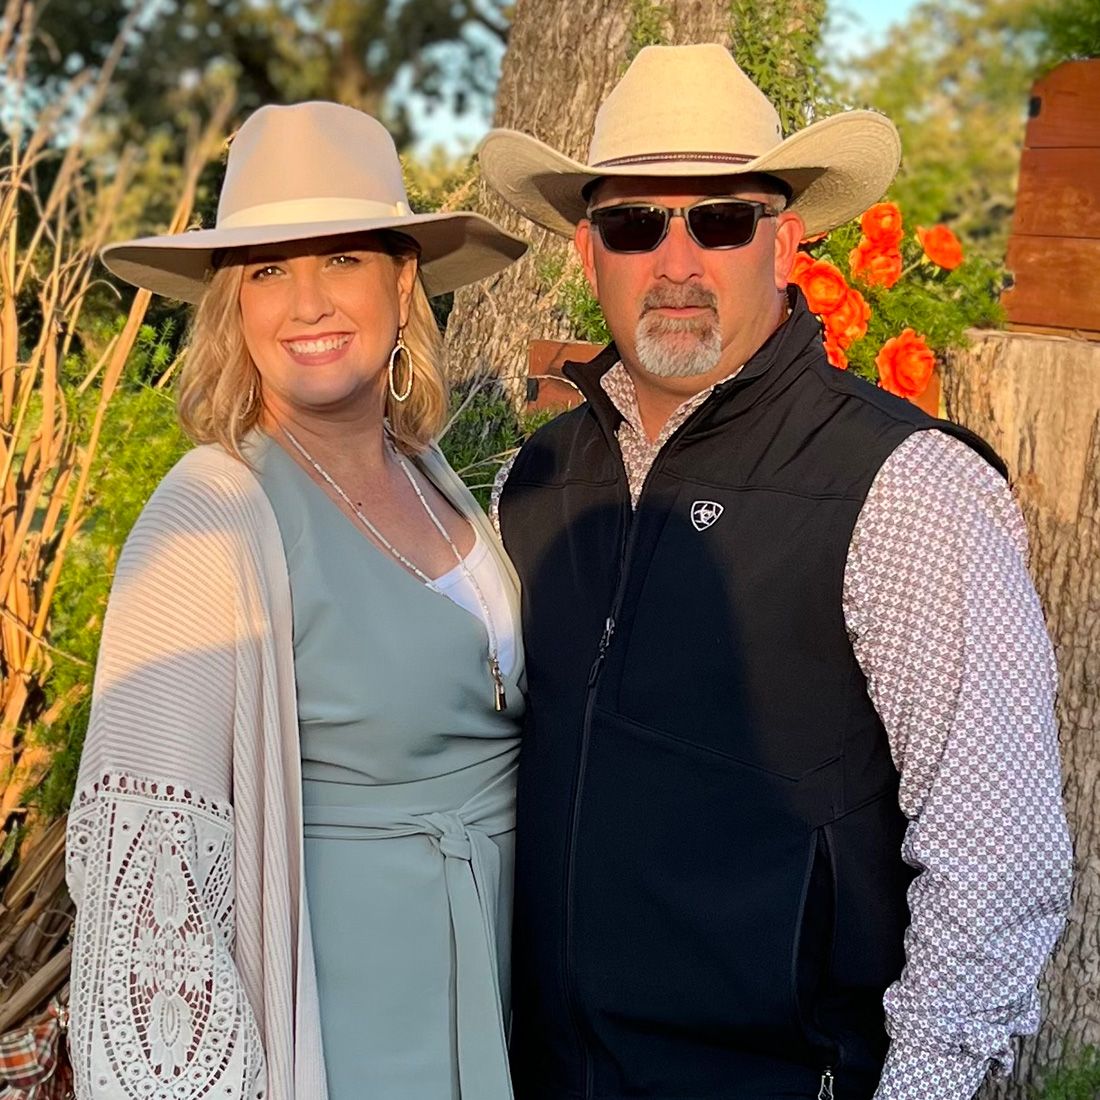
point(500, 700)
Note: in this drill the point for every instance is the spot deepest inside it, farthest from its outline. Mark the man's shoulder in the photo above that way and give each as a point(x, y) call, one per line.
point(557, 437)
point(866, 413)
point(876, 404)
point(564, 425)
point(936, 471)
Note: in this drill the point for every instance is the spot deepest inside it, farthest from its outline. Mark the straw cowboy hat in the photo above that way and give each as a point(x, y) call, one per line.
point(690, 111)
point(314, 170)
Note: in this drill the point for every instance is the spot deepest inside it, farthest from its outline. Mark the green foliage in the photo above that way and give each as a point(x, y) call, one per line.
point(280, 51)
point(575, 300)
point(1068, 30)
point(648, 24)
point(153, 351)
point(791, 74)
point(140, 443)
point(1078, 1078)
point(439, 180)
point(484, 432)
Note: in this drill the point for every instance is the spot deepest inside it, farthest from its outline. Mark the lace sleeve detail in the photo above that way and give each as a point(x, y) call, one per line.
point(158, 1009)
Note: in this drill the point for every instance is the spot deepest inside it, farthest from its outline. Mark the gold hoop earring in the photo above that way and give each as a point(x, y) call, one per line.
point(400, 348)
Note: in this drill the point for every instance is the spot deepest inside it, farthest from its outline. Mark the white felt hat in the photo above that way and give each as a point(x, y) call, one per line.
point(314, 170)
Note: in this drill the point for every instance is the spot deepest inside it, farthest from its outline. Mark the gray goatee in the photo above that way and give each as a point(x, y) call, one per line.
point(678, 347)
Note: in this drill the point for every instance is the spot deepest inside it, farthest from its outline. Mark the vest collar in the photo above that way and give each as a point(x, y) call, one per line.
point(801, 332)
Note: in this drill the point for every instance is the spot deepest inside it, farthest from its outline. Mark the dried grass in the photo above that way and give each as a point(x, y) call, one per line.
point(49, 240)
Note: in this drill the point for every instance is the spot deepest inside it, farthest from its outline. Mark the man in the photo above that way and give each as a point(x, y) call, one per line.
point(789, 819)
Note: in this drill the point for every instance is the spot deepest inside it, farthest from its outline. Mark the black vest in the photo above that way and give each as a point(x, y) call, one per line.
point(710, 897)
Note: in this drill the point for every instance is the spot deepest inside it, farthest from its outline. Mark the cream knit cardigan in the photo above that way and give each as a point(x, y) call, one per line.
point(204, 986)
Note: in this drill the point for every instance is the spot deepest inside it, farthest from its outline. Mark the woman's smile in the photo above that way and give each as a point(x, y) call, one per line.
point(318, 350)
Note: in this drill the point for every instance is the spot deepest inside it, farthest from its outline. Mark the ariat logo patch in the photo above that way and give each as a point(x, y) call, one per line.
point(705, 513)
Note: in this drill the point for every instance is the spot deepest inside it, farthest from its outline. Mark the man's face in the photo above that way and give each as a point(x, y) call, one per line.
point(683, 315)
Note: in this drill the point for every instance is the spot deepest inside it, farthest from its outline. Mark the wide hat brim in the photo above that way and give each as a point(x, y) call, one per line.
point(456, 248)
point(836, 169)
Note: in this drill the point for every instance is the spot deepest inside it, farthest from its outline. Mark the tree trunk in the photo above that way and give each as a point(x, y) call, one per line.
point(563, 58)
point(1036, 399)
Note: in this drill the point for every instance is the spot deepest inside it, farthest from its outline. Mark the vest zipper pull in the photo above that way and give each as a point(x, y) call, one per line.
point(605, 640)
point(500, 700)
point(826, 1090)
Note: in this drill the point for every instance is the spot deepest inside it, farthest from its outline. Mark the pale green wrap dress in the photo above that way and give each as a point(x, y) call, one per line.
point(408, 799)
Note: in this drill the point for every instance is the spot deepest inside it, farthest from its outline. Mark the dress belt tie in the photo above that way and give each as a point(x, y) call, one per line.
point(471, 871)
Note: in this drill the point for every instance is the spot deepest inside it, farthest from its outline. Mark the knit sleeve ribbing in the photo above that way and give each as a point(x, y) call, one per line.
point(163, 701)
point(157, 1003)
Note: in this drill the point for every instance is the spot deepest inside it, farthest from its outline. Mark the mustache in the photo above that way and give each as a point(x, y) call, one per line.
point(680, 297)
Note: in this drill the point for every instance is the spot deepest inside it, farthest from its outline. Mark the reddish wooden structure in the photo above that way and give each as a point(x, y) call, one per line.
point(546, 387)
point(1054, 251)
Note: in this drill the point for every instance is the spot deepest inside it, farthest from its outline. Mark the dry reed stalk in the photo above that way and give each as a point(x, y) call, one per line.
point(35, 469)
point(48, 248)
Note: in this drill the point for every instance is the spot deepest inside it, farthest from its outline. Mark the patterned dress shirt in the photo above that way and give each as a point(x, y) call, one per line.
point(947, 628)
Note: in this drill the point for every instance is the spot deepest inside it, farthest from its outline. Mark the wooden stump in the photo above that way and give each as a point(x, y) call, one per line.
point(1036, 399)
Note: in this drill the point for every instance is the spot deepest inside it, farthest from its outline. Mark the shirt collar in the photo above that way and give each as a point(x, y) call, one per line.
point(620, 390)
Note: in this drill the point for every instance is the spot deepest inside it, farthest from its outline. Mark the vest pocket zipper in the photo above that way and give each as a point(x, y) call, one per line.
point(826, 1090)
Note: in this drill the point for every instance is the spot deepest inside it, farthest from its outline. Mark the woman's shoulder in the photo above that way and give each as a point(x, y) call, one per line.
point(208, 513)
point(208, 484)
point(210, 469)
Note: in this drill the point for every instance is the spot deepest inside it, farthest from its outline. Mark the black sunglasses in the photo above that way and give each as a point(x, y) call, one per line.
point(712, 223)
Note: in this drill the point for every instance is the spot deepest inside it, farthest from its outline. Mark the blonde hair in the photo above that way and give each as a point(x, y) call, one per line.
point(219, 388)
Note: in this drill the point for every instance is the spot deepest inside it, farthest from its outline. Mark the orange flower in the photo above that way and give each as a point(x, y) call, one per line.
point(881, 225)
point(941, 246)
point(848, 322)
point(873, 265)
point(905, 364)
point(834, 352)
point(803, 261)
point(824, 286)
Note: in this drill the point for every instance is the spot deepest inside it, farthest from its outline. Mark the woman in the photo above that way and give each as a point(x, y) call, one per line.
point(309, 681)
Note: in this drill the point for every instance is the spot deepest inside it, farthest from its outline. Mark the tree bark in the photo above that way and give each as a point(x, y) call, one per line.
point(563, 58)
point(1036, 399)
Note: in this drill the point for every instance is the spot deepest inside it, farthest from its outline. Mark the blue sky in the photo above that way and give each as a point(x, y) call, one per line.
point(858, 23)
point(856, 26)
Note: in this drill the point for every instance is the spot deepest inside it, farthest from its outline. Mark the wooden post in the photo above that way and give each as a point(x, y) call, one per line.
point(1054, 250)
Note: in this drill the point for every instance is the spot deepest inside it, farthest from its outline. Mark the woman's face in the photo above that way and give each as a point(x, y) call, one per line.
point(320, 318)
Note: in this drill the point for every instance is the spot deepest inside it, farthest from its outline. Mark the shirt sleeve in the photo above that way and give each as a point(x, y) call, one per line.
point(947, 628)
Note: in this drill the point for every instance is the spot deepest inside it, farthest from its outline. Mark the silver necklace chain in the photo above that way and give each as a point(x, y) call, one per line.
point(499, 699)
